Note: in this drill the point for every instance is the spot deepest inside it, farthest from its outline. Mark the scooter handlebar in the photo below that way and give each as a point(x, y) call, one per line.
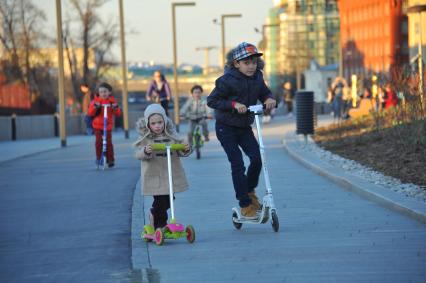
point(162, 146)
point(258, 108)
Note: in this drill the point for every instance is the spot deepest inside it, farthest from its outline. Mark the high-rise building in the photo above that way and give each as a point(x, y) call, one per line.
point(416, 30)
point(308, 29)
point(374, 35)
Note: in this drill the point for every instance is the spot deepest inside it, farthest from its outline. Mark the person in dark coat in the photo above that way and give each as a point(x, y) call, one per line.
point(241, 85)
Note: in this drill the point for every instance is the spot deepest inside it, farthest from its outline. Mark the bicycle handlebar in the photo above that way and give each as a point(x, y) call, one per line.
point(162, 146)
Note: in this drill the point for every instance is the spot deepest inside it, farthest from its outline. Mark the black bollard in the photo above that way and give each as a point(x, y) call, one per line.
point(13, 120)
point(305, 112)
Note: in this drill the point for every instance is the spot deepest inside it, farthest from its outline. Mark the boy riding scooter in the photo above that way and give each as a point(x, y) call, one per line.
point(242, 85)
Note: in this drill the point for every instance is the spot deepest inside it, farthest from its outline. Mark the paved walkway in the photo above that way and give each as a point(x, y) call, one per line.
point(327, 234)
point(59, 223)
point(61, 220)
point(10, 150)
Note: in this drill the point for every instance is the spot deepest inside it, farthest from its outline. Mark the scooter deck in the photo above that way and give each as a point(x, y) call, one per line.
point(262, 216)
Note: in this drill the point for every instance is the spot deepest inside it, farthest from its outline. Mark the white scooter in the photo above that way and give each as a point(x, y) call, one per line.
point(268, 210)
point(102, 162)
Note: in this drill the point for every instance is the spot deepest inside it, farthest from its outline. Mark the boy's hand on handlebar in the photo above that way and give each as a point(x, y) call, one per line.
point(241, 108)
point(148, 149)
point(97, 104)
point(270, 103)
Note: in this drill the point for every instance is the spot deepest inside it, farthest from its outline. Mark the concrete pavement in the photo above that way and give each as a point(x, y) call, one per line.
point(327, 234)
point(10, 150)
point(294, 145)
point(63, 224)
point(61, 220)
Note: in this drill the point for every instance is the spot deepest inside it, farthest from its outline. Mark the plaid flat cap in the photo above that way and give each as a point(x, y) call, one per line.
point(244, 50)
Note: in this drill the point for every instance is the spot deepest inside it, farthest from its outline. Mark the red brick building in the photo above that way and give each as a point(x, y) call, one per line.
point(14, 98)
point(373, 35)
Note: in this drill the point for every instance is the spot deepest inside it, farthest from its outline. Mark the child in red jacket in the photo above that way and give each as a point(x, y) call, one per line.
point(96, 109)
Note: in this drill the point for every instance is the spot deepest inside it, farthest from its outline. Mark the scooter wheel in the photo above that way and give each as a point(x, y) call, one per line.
point(159, 237)
point(236, 224)
point(274, 221)
point(190, 234)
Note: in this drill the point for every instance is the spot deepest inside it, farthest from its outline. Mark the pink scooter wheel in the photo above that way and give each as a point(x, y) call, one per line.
point(190, 234)
point(159, 237)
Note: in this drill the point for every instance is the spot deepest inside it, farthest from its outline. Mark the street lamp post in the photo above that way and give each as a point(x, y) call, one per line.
point(263, 34)
point(176, 90)
point(124, 72)
point(419, 9)
point(61, 94)
point(206, 50)
point(222, 25)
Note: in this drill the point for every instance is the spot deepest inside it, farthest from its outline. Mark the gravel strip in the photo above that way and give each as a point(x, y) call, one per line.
point(354, 168)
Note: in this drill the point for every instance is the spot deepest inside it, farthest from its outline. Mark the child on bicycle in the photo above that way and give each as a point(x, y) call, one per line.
point(96, 110)
point(196, 110)
point(242, 85)
point(156, 127)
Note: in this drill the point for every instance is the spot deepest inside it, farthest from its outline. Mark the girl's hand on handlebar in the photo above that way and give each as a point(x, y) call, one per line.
point(270, 103)
point(148, 149)
point(187, 148)
point(241, 108)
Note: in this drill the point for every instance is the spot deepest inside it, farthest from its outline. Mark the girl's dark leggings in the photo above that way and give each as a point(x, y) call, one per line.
point(160, 205)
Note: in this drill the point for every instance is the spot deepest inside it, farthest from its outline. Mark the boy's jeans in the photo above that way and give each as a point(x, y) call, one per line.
point(231, 139)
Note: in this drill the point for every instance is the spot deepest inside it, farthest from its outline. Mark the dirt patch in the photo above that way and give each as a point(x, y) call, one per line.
point(398, 151)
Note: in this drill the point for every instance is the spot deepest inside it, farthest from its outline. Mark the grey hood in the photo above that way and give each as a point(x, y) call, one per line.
point(144, 131)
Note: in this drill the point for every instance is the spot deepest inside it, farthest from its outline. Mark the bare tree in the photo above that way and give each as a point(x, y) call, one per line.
point(9, 38)
point(30, 16)
point(21, 39)
point(95, 38)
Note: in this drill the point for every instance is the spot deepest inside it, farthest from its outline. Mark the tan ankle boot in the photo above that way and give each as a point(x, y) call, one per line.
point(248, 211)
point(254, 200)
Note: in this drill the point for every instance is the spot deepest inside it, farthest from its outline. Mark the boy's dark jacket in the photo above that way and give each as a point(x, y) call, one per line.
point(235, 86)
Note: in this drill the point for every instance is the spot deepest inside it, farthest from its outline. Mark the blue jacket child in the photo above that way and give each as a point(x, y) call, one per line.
point(242, 85)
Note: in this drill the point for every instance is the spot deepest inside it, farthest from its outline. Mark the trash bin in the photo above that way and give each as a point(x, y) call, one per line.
point(305, 112)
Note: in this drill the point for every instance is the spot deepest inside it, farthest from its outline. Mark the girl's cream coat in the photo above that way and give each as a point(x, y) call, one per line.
point(153, 166)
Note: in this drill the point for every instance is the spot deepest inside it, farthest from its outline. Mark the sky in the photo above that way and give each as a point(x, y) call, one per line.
point(150, 24)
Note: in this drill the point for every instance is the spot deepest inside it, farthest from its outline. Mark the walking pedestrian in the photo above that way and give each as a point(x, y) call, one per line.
point(337, 98)
point(288, 96)
point(88, 96)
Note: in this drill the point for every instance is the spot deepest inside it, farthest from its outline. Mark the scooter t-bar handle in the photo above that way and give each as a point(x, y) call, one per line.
point(162, 146)
point(256, 109)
